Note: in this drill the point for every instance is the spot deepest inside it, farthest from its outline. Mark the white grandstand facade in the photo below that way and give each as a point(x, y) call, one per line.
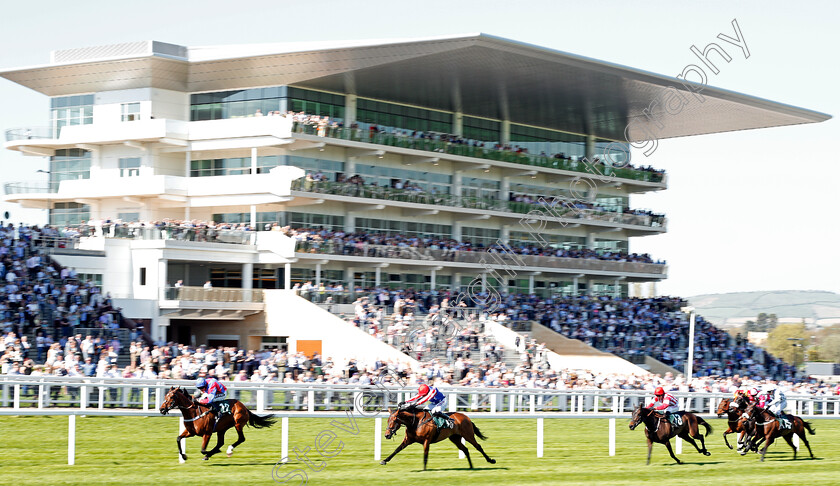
point(424, 138)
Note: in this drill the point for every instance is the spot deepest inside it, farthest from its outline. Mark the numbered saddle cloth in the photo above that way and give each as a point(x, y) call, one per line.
point(441, 422)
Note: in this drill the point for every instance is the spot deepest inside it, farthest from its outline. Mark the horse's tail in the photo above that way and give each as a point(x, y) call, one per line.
point(478, 432)
point(705, 424)
point(808, 427)
point(260, 421)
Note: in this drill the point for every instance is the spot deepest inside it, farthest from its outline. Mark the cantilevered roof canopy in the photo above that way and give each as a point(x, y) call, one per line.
point(475, 74)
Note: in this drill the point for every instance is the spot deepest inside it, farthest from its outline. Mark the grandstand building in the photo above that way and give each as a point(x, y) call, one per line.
point(470, 138)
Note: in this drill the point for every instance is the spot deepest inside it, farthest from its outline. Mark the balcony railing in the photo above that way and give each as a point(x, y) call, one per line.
point(30, 133)
point(177, 233)
point(213, 294)
point(30, 187)
point(487, 204)
point(427, 254)
point(440, 146)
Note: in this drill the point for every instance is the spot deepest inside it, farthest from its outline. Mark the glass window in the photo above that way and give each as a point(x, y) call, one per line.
point(70, 110)
point(69, 213)
point(130, 112)
point(393, 116)
point(68, 164)
point(264, 101)
point(129, 167)
point(315, 221)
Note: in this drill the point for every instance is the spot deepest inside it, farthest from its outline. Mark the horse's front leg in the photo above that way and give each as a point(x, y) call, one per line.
point(426, 444)
point(671, 451)
point(406, 441)
point(204, 440)
point(183, 435)
point(650, 450)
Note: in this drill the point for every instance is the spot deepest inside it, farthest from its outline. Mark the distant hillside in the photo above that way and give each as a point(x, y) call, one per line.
point(814, 306)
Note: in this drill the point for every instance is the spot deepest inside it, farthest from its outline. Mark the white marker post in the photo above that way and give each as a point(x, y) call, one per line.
point(71, 441)
point(612, 436)
point(377, 438)
point(181, 429)
point(679, 445)
point(796, 441)
point(284, 439)
point(540, 424)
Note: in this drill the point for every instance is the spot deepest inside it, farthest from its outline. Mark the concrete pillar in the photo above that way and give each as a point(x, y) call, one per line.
point(378, 276)
point(350, 102)
point(349, 223)
point(434, 276)
point(350, 277)
point(456, 284)
point(458, 123)
point(616, 290)
point(589, 285)
point(505, 234)
point(187, 162)
point(456, 230)
point(350, 166)
point(253, 160)
point(590, 241)
point(484, 282)
point(505, 189)
point(590, 148)
point(158, 330)
point(287, 276)
point(505, 132)
point(574, 286)
point(317, 274)
point(163, 267)
point(253, 221)
point(530, 284)
point(247, 275)
point(457, 183)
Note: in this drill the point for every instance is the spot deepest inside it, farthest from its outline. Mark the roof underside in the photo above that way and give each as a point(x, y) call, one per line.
point(477, 75)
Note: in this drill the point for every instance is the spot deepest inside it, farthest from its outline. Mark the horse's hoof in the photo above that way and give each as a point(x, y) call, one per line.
point(492, 461)
point(383, 462)
point(184, 457)
point(206, 458)
point(707, 453)
point(230, 454)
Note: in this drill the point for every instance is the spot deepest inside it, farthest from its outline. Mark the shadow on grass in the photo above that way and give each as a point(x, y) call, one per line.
point(462, 469)
point(691, 463)
point(255, 463)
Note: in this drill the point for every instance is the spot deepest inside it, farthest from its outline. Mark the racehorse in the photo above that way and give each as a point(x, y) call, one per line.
point(733, 410)
point(767, 429)
point(199, 421)
point(660, 430)
point(420, 428)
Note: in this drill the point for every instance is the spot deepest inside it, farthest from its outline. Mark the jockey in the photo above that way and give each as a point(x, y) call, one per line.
point(774, 400)
point(666, 403)
point(435, 400)
point(751, 395)
point(213, 393)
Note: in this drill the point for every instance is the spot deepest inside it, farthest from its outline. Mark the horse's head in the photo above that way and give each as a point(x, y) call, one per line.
point(175, 398)
point(638, 415)
point(394, 423)
point(723, 407)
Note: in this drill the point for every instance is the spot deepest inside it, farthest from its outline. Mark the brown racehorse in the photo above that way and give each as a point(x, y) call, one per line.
point(420, 428)
point(767, 428)
point(733, 408)
point(659, 430)
point(198, 420)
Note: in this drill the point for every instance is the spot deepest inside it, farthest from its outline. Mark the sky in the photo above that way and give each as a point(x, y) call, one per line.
point(748, 210)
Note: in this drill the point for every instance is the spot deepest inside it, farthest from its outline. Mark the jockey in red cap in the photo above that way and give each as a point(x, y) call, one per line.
point(667, 404)
point(432, 398)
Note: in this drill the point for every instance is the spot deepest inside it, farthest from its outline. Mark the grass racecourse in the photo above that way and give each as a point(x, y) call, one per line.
point(141, 450)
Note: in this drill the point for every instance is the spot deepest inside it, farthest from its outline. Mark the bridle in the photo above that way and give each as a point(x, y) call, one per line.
point(400, 421)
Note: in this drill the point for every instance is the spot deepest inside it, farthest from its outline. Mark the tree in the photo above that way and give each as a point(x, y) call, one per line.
point(781, 343)
point(829, 348)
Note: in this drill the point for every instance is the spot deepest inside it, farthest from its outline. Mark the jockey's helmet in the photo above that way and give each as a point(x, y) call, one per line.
point(424, 389)
point(659, 391)
point(201, 383)
point(752, 392)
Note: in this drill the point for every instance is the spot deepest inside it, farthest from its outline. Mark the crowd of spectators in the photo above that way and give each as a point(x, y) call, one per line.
point(316, 240)
point(328, 127)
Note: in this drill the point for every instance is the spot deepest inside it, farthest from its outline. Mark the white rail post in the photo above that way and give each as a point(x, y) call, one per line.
point(284, 439)
point(310, 400)
point(580, 404)
point(512, 397)
point(158, 395)
point(615, 404)
point(460, 452)
point(42, 391)
point(453, 402)
point(811, 407)
point(533, 404)
point(712, 405)
point(261, 400)
point(71, 441)
point(5, 395)
point(540, 424)
point(612, 436)
point(145, 398)
point(16, 397)
point(493, 398)
point(795, 441)
point(679, 445)
point(181, 429)
point(377, 438)
point(83, 400)
point(101, 398)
